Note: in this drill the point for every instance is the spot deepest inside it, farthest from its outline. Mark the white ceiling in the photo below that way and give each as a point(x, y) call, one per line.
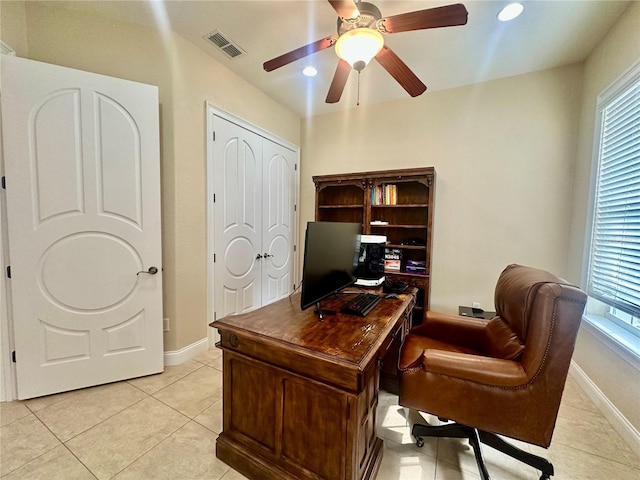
point(548, 34)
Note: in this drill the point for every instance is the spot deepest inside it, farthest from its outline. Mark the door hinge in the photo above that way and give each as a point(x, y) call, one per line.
point(213, 134)
point(9, 271)
point(294, 248)
point(214, 258)
point(4, 183)
point(13, 356)
point(295, 208)
point(295, 166)
point(214, 198)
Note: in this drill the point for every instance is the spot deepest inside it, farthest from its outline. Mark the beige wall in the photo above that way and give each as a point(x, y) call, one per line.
point(186, 78)
point(616, 378)
point(504, 155)
point(13, 29)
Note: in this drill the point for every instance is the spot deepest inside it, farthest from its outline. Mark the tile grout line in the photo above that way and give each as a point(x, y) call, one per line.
point(92, 426)
point(168, 384)
point(60, 442)
point(597, 455)
point(154, 446)
point(81, 462)
point(147, 395)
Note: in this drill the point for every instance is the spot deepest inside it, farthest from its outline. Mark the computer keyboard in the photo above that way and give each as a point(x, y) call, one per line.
point(361, 304)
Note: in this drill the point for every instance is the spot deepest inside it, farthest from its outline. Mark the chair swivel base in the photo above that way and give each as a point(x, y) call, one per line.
point(475, 437)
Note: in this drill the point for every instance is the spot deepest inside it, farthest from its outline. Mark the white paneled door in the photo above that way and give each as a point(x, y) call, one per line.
point(237, 173)
point(81, 155)
point(278, 220)
point(254, 180)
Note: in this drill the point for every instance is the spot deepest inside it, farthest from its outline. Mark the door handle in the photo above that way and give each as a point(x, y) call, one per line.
point(266, 255)
point(150, 271)
point(258, 257)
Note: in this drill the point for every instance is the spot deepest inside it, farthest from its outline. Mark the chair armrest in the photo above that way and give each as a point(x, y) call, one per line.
point(475, 368)
point(467, 331)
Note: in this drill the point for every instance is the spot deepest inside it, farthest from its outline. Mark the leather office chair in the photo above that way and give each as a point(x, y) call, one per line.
point(503, 376)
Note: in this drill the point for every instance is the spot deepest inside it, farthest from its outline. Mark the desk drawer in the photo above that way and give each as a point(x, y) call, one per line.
point(324, 369)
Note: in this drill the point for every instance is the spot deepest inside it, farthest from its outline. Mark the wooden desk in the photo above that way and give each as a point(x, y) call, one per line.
point(300, 395)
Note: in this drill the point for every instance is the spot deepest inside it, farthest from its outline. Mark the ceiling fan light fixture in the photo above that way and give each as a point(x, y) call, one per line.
point(358, 46)
point(510, 12)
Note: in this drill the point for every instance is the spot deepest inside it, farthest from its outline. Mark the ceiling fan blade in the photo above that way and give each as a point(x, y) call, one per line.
point(447, 16)
point(299, 53)
point(345, 8)
point(338, 82)
point(399, 70)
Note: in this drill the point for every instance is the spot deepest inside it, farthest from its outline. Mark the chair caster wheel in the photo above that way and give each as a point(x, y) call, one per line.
point(420, 443)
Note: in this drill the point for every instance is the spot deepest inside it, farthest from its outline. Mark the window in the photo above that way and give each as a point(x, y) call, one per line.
point(614, 257)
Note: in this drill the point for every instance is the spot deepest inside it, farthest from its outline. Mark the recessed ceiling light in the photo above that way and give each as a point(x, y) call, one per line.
point(310, 71)
point(510, 12)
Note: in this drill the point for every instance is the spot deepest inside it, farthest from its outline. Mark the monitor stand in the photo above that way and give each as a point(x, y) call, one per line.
point(321, 313)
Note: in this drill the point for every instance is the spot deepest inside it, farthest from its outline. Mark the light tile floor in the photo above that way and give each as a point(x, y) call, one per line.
point(165, 427)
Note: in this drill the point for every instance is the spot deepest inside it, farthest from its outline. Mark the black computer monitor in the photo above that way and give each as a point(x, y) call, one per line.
point(330, 260)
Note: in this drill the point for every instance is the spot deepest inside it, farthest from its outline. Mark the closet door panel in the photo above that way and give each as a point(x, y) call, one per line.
point(237, 219)
point(278, 221)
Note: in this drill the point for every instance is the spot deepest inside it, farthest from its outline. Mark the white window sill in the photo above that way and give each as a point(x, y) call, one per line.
point(621, 341)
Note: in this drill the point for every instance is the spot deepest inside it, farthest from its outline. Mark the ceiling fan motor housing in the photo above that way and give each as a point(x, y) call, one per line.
point(369, 16)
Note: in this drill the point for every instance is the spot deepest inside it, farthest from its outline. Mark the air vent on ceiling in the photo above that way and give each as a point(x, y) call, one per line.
point(221, 41)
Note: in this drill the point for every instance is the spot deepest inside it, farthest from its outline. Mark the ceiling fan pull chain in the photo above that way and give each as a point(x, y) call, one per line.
point(358, 100)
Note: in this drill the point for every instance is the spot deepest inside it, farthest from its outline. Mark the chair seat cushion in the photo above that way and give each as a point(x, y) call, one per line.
point(414, 346)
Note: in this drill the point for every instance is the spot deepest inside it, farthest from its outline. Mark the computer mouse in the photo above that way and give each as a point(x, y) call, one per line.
point(391, 295)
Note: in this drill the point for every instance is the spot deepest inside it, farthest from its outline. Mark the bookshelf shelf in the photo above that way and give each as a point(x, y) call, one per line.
point(408, 205)
point(406, 247)
point(404, 200)
point(399, 226)
point(404, 274)
point(342, 206)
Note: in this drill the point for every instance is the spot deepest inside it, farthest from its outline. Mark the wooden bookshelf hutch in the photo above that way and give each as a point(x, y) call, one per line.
point(408, 224)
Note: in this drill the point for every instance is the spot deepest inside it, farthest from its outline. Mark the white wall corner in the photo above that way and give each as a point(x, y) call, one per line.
point(176, 357)
point(617, 420)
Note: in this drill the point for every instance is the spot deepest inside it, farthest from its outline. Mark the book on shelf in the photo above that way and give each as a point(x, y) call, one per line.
point(417, 263)
point(384, 194)
point(416, 266)
point(392, 259)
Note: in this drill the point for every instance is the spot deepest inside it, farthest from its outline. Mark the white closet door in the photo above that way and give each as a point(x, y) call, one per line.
point(255, 184)
point(279, 180)
point(237, 173)
point(83, 207)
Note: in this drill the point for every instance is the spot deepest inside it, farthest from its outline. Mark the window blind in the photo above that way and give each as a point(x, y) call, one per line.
point(614, 274)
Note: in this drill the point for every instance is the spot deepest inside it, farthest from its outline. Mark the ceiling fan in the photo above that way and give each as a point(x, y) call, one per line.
point(359, 39)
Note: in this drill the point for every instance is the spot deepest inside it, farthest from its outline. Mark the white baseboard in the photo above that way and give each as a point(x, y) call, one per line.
point(618, 421)
point(176, 357)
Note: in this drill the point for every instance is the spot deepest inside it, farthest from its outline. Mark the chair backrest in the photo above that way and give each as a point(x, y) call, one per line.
point(545, 313)
point(515, 293)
